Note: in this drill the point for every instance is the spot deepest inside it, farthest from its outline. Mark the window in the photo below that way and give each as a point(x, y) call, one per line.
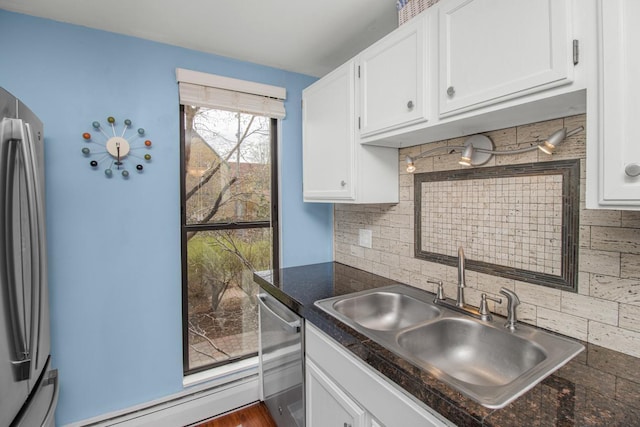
point(229, 219)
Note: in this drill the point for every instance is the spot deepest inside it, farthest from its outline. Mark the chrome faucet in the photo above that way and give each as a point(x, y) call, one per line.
point(461, 279)
point(512, 302)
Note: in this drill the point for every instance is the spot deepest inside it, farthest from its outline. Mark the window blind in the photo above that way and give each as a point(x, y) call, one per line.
point(211, 91)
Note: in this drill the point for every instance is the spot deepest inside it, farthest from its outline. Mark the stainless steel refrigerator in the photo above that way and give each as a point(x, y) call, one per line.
point(28, 385)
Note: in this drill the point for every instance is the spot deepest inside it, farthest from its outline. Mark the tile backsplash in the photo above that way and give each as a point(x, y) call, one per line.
point(606, 308)
point(516, 221)
point(497, 220)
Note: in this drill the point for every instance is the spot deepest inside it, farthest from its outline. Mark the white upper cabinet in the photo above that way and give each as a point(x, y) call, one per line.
point(480, 65)
point(494, 50)
point(460, 67)
point(337, 168)
point(328, 108)
point(613, 150)
point(391, 80)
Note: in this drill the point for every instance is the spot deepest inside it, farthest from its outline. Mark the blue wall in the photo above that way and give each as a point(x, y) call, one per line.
point(114, 245)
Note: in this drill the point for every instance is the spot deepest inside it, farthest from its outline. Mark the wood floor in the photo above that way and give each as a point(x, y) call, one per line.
point(250, 416)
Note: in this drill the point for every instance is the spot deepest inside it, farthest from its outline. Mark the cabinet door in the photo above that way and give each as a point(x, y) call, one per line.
point(493, 50)
point(327, 404)
point(620, 90)
point(392, 80)
point(328, 137)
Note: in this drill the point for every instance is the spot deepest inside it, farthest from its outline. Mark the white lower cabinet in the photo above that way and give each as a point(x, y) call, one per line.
point(342, 391)
point(328, 404)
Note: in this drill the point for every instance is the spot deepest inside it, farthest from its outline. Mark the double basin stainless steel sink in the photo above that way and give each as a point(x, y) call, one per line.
point(481, 359)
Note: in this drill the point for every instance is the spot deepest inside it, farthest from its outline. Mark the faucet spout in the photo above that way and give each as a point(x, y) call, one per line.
point(461, 278)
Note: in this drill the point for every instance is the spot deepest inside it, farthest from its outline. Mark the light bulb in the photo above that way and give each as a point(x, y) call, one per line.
point(467, 155)
point(547, 148)
point(411, 167)
point(550, 144)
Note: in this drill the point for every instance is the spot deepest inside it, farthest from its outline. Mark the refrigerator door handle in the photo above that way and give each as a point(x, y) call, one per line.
point(28, 158)
point(12, 134)
point(38, 243)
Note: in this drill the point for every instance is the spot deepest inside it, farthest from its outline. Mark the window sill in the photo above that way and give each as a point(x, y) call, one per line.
point(223, 374)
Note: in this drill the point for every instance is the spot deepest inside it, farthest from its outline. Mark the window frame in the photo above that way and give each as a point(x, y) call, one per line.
point(273, 223)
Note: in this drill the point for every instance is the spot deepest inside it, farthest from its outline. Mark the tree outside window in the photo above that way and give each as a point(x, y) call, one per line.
point(228, 231)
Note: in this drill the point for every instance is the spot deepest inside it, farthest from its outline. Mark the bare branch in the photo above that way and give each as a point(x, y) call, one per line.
point(196, 331)
point(210, 174)
point(216, 205)
point(234, 250)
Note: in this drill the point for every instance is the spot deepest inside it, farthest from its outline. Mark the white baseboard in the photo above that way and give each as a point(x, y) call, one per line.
point(184, 409)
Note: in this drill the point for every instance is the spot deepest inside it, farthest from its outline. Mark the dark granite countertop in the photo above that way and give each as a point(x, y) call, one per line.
point(599, 387)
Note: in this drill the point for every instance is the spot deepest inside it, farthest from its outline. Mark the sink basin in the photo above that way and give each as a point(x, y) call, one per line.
point(385, 311)
point(481, 359)
point(471, 352)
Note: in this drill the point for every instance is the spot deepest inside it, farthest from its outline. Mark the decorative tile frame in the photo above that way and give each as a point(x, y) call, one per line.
point(541, 248)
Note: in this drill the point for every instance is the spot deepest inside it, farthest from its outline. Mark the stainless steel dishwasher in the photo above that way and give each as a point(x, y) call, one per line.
point(281, 362)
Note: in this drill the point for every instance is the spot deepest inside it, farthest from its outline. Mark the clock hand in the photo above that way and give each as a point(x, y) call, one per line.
point(118, 150)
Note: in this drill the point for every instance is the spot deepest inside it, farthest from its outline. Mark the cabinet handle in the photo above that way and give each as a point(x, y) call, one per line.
point(347, 425)
point(632, 169)
point(410, 105)
point(451, 91)
point(343, 184)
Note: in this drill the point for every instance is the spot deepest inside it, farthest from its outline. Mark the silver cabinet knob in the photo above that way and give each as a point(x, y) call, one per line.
point(410, 105)
point(343, 183)
point(451, 91)
point(632, 169)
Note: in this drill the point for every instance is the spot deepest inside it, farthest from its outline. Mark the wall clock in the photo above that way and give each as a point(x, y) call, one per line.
point(119, 153)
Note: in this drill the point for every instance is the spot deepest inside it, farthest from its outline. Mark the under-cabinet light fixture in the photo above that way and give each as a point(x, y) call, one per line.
point(478, 149)
point(549, 145)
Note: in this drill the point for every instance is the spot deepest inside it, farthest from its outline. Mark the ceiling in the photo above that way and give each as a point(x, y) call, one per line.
point(304, 36)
